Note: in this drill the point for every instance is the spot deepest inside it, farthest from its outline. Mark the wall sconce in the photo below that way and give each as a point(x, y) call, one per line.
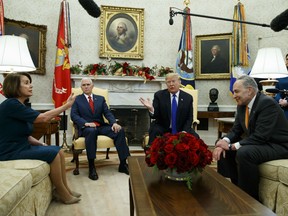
point(15, 55)
point(269, 64)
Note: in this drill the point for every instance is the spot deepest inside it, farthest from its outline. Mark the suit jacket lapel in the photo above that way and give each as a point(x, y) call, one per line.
point(255, 104)
point(243, 114)
point(168, 104)
point(180, 101)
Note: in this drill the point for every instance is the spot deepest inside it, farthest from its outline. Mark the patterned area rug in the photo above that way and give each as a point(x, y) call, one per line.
point(100, 161)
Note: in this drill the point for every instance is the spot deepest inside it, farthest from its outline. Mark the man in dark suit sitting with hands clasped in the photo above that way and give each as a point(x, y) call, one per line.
point(90, 122)
point(162, 109)
point(259, 134)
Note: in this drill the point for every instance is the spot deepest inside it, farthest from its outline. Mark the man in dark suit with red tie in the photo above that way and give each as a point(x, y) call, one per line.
point(87, 113)
point(162, 109)
point(256, 137)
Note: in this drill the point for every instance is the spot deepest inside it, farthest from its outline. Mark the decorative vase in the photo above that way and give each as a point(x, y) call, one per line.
point(174, 175)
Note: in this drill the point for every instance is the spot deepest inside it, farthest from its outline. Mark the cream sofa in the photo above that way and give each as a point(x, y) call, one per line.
point(273, 187)
point(25, 187)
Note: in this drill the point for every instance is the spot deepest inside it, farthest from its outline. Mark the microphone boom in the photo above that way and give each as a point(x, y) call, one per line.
point(171, 13)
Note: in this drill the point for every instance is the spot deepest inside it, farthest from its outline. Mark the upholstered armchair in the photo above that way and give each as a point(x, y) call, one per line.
point(78, 143)
point(195, 122)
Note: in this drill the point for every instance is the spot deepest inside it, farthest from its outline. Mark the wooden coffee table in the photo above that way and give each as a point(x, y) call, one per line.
point(152, 194)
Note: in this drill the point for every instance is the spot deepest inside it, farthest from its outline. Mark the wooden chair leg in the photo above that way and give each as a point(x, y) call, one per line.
point(76, 159)
point(72, 149)
point(107, 153)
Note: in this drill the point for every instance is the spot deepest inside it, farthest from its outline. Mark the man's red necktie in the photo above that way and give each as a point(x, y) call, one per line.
point(91, 103)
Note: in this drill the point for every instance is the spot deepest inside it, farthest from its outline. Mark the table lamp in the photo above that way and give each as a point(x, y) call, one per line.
point(15, 55)
point(269, 64)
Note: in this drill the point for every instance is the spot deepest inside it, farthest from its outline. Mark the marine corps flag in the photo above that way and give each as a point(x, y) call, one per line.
point(184, 62)
point(62, 81)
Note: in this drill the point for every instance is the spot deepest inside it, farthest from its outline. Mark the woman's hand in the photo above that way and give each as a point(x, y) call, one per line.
point(70, 100)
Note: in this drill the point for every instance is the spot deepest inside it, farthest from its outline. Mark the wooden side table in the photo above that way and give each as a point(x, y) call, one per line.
point(205, 114)
point(46, 129)
point(224, 125)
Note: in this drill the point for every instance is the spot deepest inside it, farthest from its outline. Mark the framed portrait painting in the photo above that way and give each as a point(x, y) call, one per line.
point(36, 40)
point(213, 56)
point(122, 32)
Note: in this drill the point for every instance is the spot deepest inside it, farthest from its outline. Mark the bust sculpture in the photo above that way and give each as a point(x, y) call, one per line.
point(213, 95)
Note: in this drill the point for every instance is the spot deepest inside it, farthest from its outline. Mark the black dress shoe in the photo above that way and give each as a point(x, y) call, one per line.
point(123, 168)
point(93, 174)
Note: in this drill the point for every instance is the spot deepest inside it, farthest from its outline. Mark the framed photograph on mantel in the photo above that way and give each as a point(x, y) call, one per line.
point(213, 56)
point(36, 40)
point(122, 32)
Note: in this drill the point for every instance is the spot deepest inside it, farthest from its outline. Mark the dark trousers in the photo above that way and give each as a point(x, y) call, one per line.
point(91, 135)
point(242, 165)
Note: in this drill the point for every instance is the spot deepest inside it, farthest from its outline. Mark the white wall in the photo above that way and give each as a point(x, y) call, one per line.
point(161, 40)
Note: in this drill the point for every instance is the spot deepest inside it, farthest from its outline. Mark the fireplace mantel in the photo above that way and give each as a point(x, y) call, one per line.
point(124, 91)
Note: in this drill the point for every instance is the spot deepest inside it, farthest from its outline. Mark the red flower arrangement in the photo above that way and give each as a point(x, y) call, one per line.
point(182, 151)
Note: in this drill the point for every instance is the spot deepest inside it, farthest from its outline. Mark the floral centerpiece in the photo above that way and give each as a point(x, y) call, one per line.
point(181, 152)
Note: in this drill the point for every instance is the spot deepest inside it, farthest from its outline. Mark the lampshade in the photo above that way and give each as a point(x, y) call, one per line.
point(14, 55)
point(269, 64)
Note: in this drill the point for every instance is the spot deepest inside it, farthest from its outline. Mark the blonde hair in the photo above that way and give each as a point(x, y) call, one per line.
point(169, 75)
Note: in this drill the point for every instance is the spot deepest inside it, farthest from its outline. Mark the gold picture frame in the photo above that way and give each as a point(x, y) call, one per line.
point(122, 32)
point(36, 40)
point(208, 67)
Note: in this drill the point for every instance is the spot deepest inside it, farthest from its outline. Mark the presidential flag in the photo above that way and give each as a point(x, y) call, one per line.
point(62, 80)
point(184, 62)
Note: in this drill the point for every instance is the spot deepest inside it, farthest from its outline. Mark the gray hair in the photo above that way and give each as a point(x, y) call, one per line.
point(169, 75)
point(249, 82)
point(122, 24)
point(216, 47)
point(86, 78)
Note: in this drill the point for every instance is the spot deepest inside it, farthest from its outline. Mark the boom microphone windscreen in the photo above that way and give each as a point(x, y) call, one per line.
point(273, 90)
point(280, 22)
point(91, 7)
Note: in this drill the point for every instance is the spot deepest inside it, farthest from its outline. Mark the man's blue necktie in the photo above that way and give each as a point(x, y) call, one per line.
point(173, 115)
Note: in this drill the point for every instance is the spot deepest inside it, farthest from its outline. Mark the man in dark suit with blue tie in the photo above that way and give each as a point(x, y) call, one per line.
point(257, 136)
point(87, 113)
point(162, 109)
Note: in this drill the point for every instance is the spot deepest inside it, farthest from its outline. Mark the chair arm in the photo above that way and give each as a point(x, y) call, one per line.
point(195, 123)
point(74, 131)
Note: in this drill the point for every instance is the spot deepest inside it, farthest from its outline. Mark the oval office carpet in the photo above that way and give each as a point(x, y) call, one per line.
point(107, 196)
